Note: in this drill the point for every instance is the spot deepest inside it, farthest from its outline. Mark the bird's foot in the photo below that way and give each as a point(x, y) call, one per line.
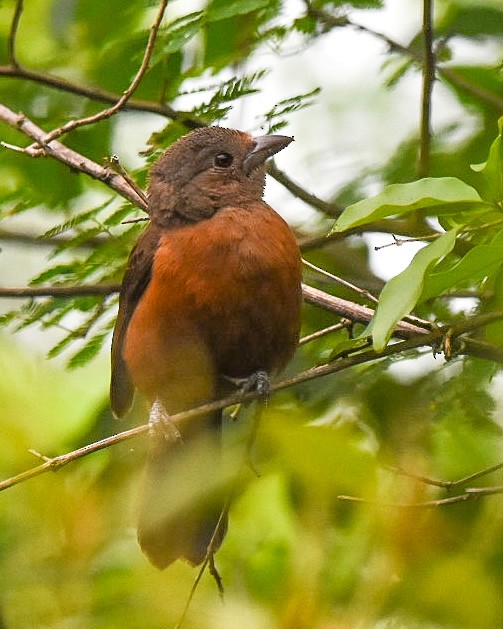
point(259, 382)
point(161, 425)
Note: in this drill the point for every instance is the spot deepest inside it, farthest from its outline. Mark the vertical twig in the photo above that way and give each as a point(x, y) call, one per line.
point(428, 78)
point(13, 33)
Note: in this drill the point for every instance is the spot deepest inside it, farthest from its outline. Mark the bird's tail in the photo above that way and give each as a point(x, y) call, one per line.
point(182, 504)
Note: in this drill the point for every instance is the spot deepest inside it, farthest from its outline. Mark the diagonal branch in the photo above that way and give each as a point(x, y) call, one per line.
point(410, 326)
point(415, 341)
point(450, 75)
point(332, 209)
point(99, 95)
point(67, 156)
point(107, 113)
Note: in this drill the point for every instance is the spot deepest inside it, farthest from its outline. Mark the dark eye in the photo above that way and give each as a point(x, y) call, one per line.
point(223, 160)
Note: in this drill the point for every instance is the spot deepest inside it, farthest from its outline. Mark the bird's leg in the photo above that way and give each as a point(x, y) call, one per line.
point(258, 381)
point(161, 424)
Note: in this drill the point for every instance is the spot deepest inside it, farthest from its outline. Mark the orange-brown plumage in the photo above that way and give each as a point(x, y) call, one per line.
point(212, 289)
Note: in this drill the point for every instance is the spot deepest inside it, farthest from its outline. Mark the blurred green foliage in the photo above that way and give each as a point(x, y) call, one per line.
point(296, 555)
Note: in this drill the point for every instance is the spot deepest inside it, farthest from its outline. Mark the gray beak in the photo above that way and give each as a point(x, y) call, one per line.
point(265, 146)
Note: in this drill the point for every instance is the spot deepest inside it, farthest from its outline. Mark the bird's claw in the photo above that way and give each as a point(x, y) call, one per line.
point(161, 424)
point(259, 382)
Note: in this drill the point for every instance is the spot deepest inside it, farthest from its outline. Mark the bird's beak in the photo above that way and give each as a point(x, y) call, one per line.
point(265, 146)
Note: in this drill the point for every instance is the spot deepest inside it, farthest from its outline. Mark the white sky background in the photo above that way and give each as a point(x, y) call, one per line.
point(333, 141)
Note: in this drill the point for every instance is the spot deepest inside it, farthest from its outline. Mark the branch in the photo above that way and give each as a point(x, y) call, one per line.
point(47, 241)
point(67, 156)
point(332, 209)
point(469, 493)
point(107, 113)
point(405, 329)
point(428, 78)
point(60, 291)
point(99, 95)
point(55, 463)
point(418, 340)
point(356, 313)
point(445, 72)
point(13, 33)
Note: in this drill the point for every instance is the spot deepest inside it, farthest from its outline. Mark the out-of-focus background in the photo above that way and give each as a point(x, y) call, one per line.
point(345, 79)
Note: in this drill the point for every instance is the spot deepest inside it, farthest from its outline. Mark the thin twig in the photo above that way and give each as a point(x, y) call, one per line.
point(202, 568)
point(360, 291)
point(428, 78)
point(60, 291)
point(115, 163)
point(398, 242)
point(332, 209)
point(13, 33)
point(48, 241)
point(107, 113)
point(468, 495)
point(210, 552)
point(449, 74)
point(328, 330)
point(449, 484)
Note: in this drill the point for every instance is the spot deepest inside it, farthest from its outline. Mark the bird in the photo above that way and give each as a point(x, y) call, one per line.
point(211, 293)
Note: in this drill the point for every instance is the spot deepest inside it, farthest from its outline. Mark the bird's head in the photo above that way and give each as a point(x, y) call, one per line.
point(207, 170)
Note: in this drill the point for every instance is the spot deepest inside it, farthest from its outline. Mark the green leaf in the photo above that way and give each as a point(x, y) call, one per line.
point(228, 91)
point(401, 293)
point(274, 118)
point(223, 9)
point(477, 264)
point(89, 351)
point(178, 34)
point(59, 270)
point(73, 222)
point(471, 21)
point(492, 169)
point(442, 194)
point(349, 345)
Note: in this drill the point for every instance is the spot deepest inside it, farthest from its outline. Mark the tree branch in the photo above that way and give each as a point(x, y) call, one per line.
point(422, 339)
point(60, 291)
point(13, 33)
point(447, 73)
point(99, 95)
point(332, 209)
point(428, 78)
point(67, 156)
point(107, 113)
point(410, 326)
point(47, 241)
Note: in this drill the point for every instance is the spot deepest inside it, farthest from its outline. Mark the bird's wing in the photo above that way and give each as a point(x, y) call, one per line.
point(136, 280)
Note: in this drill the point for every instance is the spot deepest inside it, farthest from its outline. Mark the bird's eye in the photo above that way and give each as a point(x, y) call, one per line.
point(223, 160)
